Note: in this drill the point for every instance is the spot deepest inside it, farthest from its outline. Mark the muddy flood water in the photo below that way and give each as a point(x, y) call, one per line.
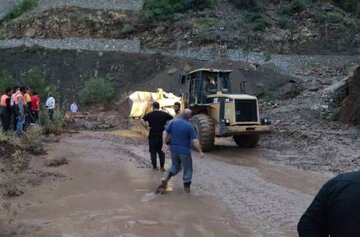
point(109, 191)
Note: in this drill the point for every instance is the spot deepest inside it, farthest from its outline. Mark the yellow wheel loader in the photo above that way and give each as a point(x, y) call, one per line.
point(218, 113)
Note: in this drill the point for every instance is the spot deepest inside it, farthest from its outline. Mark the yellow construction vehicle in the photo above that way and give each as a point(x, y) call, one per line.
point(140, 102)
point(218, 113)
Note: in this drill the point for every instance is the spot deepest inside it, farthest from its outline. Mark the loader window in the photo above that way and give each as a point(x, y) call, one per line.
point(225, 82)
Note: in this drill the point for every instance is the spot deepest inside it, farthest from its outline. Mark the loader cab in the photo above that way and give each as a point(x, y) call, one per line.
point(205, 82)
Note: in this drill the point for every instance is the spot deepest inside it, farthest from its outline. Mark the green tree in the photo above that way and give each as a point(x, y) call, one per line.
point(95, 88)
point(23, 7)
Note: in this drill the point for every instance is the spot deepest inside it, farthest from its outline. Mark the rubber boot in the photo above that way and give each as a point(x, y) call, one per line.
point(187, 187)
point(163, 186)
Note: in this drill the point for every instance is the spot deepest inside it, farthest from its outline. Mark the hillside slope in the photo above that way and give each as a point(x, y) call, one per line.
point(275, 26)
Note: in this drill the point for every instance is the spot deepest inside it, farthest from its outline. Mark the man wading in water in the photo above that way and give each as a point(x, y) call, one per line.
point(183, 135)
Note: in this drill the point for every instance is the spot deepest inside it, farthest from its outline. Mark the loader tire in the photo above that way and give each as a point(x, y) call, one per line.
point(205, 129)
point(246, 141)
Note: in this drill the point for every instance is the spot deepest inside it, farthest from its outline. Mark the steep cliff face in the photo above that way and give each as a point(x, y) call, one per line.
point(350, 110)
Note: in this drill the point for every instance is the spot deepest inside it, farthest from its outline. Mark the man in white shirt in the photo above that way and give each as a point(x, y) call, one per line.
point(50, 106)
point(73, 108)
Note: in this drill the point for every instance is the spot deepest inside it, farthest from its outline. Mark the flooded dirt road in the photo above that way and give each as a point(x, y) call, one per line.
point(109, 192)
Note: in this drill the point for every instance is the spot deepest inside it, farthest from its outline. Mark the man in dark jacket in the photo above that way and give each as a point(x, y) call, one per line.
point(156, 121)
point(335, 210)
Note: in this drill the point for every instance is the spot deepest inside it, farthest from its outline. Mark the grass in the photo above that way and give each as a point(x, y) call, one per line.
point(20, 9)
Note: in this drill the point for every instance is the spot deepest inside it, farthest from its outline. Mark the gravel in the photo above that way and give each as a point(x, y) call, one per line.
point(95, 4)
point(131, 46)
point(6, 5)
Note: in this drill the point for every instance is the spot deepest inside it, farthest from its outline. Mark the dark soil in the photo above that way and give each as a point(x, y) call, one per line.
point(7, 150)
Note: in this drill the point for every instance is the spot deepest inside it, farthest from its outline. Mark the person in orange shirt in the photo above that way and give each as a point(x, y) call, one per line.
point(5, 110)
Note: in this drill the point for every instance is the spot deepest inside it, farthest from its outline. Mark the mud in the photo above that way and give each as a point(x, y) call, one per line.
point(109, 196)
point(109, 191)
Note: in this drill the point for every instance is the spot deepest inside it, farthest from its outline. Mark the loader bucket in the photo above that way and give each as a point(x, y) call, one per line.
point(140, 102)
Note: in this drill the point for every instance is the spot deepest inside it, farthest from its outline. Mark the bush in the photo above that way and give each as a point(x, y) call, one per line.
point(258, 21)
point(127, 28)
point(162, 10)
point(297, 6)
point(96, 90)
point(52, 127)
point(6, 81)
point(352, 6)
point(284, 23)
point(261, 24)
point(23, 7)
point(33, 142)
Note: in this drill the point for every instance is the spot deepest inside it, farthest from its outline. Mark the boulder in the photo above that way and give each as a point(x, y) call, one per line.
point(350, 109)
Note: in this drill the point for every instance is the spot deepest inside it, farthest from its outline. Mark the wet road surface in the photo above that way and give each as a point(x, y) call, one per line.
point(109, 192)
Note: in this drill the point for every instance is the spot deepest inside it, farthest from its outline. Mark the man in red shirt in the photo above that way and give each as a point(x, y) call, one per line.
point(35, 104)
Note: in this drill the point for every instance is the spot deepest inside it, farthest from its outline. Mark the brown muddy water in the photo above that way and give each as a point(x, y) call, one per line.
point(109, 192)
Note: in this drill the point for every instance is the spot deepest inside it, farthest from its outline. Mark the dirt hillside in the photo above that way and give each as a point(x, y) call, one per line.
point(287, 27)
point(67, 69)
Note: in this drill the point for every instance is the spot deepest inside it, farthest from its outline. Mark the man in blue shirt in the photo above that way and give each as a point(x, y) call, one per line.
point(183, 135)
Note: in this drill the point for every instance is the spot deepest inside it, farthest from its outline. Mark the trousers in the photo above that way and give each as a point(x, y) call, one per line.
point(155, 146)
point(184, 161)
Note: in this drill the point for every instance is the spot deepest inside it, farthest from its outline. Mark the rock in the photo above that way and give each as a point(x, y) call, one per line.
point(259, 84)
point(159, 29)
point(172, 71)
point(147, 222)
point(187, 68)
point(313, 88)
point(326, 107)
point(101, 54)
point(31, 32)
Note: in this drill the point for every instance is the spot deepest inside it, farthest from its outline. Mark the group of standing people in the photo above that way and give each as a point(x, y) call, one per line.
point(19, 108)
point(178, 132)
